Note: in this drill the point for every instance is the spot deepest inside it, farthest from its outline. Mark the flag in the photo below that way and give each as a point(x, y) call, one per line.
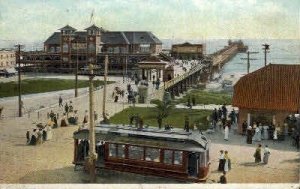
point(92, 16)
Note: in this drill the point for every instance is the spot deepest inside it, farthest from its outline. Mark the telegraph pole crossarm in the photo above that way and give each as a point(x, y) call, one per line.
point(248, 59)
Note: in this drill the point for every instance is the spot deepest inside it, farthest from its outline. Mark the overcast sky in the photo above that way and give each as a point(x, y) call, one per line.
point(35, 20)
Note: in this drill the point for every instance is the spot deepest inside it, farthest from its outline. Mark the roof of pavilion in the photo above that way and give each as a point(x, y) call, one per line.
point(273, 87)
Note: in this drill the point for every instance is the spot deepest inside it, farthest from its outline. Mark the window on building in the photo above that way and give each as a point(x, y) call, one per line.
point(152, 154)
point(121, 151)
point(65, 59)
point(145, 48)
point(52, 49)
point(112, 148)
point(65, 48)
point(202, 159)
point(136, 152)
point(207, 156)
point(109, 49)
point(92, 47)
point(57, 49)
point(168, 155)
point(178, 157)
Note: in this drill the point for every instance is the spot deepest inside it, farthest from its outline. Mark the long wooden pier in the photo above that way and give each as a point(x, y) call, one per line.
point(200, 72)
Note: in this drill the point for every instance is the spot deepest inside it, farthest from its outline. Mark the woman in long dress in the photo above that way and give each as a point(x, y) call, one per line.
point(258, 134)
point(257, 154)
point(266, 132)
point(249, 135)
point(227, 164)
point(266, 155)
point(275, 137)
point(221, 161)
point(226, 132)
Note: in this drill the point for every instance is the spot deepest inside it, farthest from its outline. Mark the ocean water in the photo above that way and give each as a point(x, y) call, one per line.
point(282, 51)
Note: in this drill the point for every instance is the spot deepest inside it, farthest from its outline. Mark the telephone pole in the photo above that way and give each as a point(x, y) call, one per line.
point(266, 48)
point(248, 60)
point(76, 72)
point(105, 82)
point(92, 153)
point(19, 77)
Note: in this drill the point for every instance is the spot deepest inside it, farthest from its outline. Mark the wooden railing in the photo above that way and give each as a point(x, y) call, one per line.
point(158, 94)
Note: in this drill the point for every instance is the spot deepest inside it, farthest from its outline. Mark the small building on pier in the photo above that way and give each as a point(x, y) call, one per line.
point(153, 68)
point(268, 95)
point(188, 51)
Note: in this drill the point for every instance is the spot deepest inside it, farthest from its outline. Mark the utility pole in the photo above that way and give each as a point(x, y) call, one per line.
point(248, 60)
point(92, 153)
point(76, 72)
point(266, 48)
point(105, 82)
point(19, 77)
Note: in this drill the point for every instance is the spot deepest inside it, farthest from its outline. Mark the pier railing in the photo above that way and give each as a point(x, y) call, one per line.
point(158, 94)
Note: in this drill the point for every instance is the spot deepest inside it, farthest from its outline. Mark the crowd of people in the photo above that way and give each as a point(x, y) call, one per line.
point(221, 120)
point(39, 134)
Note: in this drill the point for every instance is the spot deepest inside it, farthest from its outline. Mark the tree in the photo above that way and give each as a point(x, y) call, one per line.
point(163, 110)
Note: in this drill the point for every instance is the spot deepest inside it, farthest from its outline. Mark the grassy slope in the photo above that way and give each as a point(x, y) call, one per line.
point(30, 86)
point(203, 97)
point(176, 117)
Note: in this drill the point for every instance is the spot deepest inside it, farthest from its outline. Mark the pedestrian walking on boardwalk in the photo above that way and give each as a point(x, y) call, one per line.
point(266, 155)
point(249, 135)
point(66, 109)
point(257, 154)
point(85, 118)
point(221, 161)
point(226, 132)
point(227, 164)
point(60, 102)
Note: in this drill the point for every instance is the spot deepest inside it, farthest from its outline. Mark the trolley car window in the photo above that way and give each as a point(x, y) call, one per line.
point(178, 157)
point(207, 156)
point(121, 151)
point(168, 156)
point(112, 150)
point(136, 152)
point(152, 154)
point(202, 159)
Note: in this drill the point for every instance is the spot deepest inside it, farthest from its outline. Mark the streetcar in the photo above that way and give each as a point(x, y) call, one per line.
point(150, 151)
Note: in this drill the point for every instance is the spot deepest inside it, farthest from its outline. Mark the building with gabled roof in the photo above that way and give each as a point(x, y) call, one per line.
point(188, 51)
point(69, 47)
point(268, 95)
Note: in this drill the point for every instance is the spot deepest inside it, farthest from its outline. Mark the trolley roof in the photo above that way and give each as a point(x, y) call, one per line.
point(151, 136)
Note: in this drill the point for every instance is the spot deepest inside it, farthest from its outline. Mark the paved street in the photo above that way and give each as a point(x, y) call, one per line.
point(51, 162)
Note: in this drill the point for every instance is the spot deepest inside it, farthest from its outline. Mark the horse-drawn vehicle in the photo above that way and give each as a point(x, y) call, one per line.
point(172, 153)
